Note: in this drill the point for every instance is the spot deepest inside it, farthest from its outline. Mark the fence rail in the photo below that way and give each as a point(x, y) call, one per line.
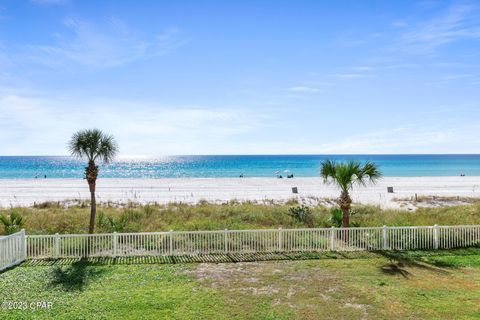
point(248, 241)
point(12, 250)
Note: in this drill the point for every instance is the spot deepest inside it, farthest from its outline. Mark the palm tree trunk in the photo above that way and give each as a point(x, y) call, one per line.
point(91, 173)
point(345, 202)
point(346, 217)
point(93, 210)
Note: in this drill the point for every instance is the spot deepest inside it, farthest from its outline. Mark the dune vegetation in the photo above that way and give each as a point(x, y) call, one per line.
point(49, 218)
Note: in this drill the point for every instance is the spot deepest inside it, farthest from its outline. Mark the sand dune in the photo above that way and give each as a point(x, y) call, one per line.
point(25, 192)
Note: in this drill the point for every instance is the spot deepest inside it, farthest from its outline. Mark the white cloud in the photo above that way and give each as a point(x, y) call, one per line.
point(35, 124)
point(49, 2)
point(363, 68)
point(399, 24)
point(304, 89)
point(459, 22)
point(100, 48)
point(348, 75)
point(40, 125)
point(410, 139)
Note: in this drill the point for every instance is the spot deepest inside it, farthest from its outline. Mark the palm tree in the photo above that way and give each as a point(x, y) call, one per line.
point(94, 145)
point(345, 175)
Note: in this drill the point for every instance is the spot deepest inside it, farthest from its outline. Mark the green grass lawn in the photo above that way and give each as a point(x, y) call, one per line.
point(414, 285)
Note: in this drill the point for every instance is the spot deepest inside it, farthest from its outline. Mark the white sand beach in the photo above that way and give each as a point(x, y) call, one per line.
point(26, 192)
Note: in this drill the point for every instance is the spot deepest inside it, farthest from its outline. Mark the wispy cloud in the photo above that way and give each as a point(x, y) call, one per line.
point(363, 68)
point(399, 24)
point(355, 39)
point(2, 13)
point(447, 80)
point(40, 125)
point(49, 2)
point(97, 48)
point(410, 139)
point(459, 22)
point(348, 75)
point(304, 89)
point(354, 72)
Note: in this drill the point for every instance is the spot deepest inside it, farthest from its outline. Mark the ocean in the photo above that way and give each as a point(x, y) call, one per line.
point(235, 165)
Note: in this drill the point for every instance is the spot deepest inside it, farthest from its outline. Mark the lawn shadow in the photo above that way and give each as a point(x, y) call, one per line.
point(395, 268)
point(75, 275)
point(400, 260)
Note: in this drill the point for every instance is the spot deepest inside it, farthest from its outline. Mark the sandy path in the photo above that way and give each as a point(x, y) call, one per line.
point(24, 192)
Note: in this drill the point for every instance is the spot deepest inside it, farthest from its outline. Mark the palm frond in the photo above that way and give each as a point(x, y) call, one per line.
point(328, 169)
point(93, 144)
point(346, 174)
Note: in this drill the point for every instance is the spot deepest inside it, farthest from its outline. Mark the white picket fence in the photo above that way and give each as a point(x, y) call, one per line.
point(12, 249)
point(251, 241)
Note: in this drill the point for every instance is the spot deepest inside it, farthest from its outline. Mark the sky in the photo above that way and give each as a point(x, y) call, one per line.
point(241, 77)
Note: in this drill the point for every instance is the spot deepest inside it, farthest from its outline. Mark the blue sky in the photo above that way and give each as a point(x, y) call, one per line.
point(241, 77)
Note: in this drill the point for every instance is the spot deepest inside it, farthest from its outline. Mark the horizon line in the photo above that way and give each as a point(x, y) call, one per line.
point(265, 154)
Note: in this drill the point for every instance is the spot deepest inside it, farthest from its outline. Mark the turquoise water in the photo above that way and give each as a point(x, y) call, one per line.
point(233, 166)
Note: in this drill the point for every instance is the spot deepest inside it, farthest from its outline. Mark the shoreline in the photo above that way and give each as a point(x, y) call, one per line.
point(27, 192)
point(236, 177)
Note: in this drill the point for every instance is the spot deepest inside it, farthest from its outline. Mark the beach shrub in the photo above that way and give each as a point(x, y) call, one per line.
point(132, 214)
point(116, 225)
point(47, 205)
point(101, 220)
point(336, 217)
point(236, 215)
point(12, 223)
point(302, 214)
point(291, 202)
point(110, 223)
point(148, 210)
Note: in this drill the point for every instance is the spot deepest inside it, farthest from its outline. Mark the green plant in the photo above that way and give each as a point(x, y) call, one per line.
point(302, 214)
point(336, 217)
point(345, 175)
point(355, 224)
point(94, 145)
point(113, 225)
point(132, 215)
point(148, 210)
point(12, 223)
point(101, 219)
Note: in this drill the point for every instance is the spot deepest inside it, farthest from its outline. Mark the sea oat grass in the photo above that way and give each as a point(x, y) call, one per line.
point(233, 215)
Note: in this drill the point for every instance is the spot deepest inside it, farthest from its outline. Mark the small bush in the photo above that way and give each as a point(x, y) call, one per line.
point(148, 210)
point(12, 223)
point(302, 214)
point(336, 216)
point(101, 219)
point(113, 225)
point(47, 205)
point(132, 214)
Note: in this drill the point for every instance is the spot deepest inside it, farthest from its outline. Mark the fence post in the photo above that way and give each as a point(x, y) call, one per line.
point(170, 248)
point(24, 244)
point(225, 240)
point(332, 238)
point(280, 239)
point(435, 236)
point(384, 236)
point(115, 241)
point(57, 245)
